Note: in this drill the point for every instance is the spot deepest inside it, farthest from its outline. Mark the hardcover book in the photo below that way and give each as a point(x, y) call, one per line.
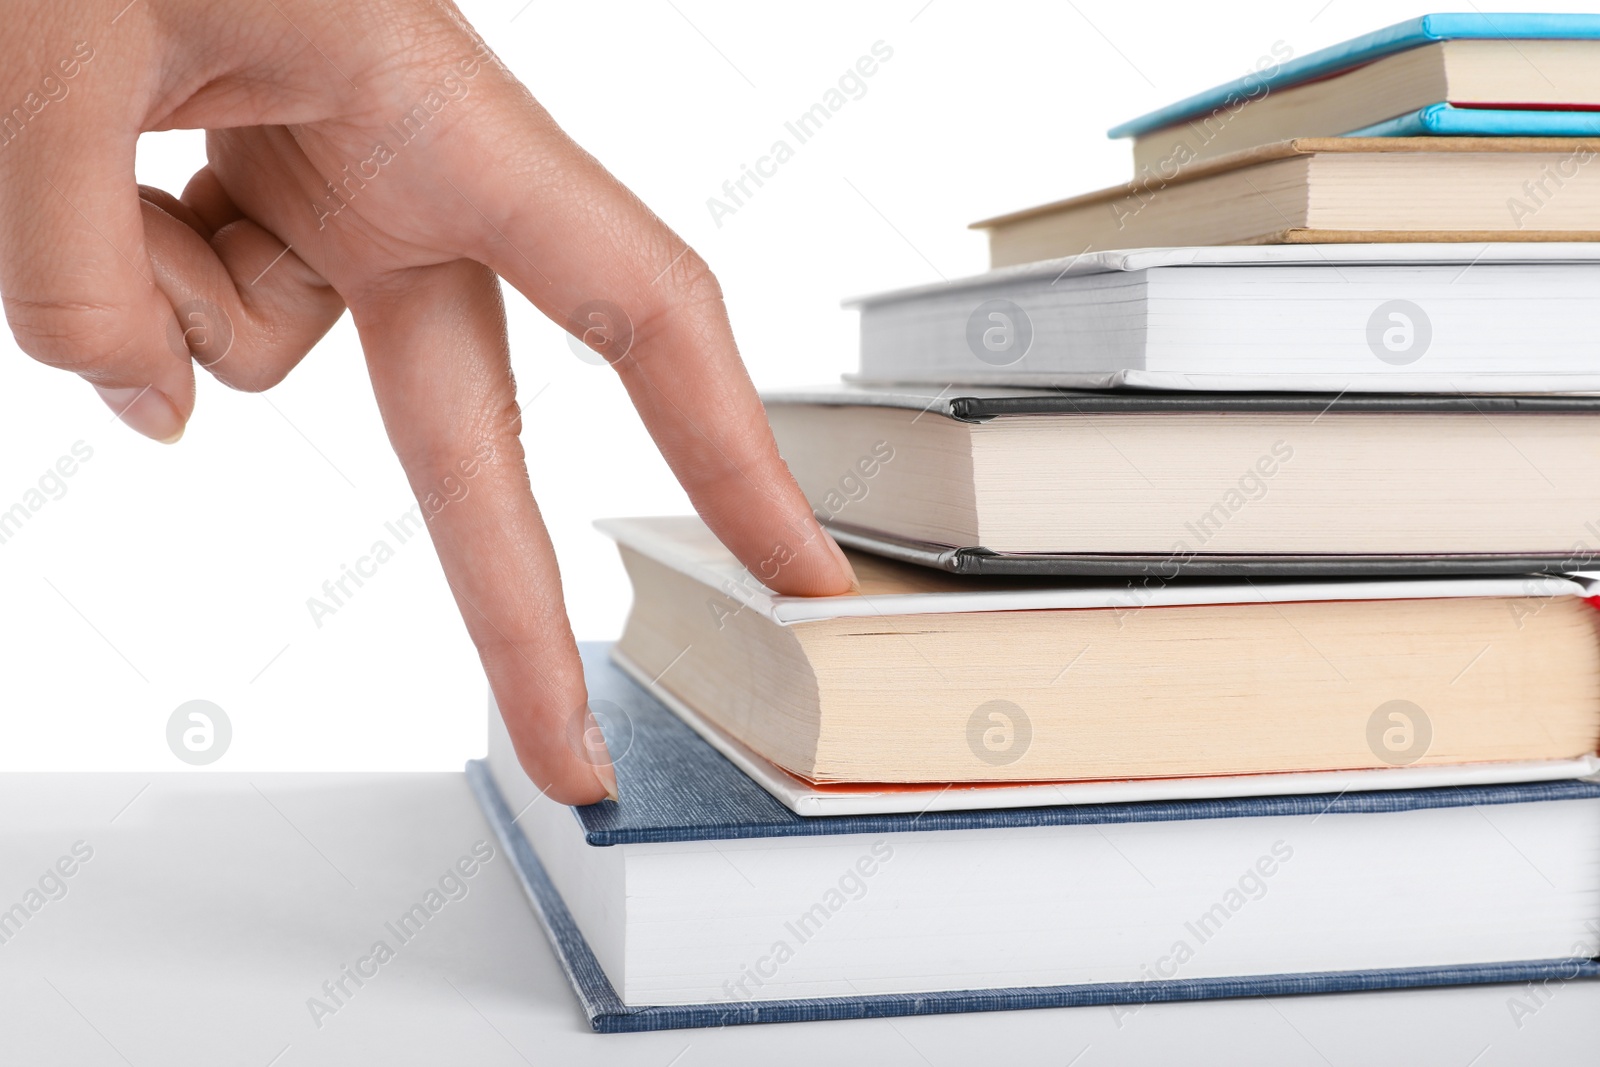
point(1324, 190)
point(699, 900)
point(1486, 80)
point(1501, 58)
point(1335, 319)
point(1068, 482)
point(922, 677)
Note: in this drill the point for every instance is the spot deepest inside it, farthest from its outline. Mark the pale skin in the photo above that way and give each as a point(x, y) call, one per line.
point(95, 272)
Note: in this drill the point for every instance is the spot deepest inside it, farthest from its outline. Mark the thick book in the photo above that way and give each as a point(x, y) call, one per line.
point(1474, 75)
point(922, 677)
point(699, 901)
point(1386, 318)
point(1325, 190)
point(812, 799)
point(1165, 485)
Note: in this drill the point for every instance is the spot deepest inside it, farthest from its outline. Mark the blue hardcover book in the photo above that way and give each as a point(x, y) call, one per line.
point(1280, 72)
point(1446, 120)
point(699, 900)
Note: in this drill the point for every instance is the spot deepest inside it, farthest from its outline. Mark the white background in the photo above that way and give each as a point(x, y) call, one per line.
point(170, 574)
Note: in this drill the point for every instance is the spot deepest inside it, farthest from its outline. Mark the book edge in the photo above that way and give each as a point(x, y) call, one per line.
point(1444, 119)
point(607, 1014)
point(1295, 147)
point(799, 797)
point(1110, 595)
point(1366, 48)
point(1281, 248)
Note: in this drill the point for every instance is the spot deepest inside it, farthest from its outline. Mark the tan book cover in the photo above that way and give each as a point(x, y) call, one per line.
point(1328, 190)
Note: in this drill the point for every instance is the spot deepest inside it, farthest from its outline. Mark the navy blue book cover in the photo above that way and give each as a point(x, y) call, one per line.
point(676, 787)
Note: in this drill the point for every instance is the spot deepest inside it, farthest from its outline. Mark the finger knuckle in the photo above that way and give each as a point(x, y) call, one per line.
point(693, 281)
point(248, 376)
point(72, 334)
point(250, 381)
point(688, 288)
point(466, 447)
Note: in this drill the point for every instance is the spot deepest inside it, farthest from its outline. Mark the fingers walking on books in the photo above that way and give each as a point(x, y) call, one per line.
point(391, 166)
point(591, 256)
point(441, 370)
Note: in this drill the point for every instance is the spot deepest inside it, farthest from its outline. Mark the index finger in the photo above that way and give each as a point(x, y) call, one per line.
point(593, 257)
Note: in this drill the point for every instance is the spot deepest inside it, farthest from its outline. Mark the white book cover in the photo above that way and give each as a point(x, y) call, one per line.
point(685, 544)
point(1414, 317)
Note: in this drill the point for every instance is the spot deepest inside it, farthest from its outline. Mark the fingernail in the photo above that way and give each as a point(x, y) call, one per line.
point(844, 562)
point(146, 410)
point(607, 774)
point(589, 744)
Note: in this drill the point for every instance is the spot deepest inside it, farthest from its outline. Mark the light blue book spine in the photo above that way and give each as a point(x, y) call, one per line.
point(1353, 53)
point(1443, 120)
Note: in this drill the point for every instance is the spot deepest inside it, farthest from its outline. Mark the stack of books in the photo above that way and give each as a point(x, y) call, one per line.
point(1470, 127)
point(1216, 632)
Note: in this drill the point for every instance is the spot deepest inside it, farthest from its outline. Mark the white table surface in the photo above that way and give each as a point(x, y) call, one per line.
point(215, 905)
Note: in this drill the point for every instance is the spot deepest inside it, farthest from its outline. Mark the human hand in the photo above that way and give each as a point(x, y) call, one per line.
point(374, 155)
